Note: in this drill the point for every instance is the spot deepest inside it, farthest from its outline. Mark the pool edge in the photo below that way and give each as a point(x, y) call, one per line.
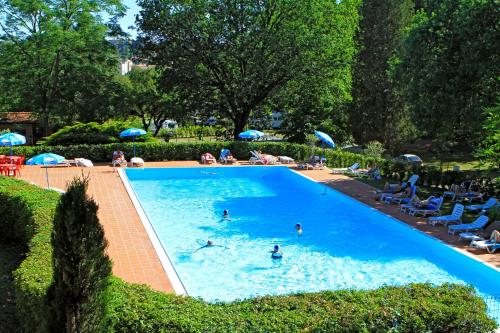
point(165, 261)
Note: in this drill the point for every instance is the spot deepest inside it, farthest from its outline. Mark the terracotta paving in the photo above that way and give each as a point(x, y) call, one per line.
point(134, 258)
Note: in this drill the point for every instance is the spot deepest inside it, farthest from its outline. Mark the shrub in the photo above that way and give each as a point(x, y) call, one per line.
point(93, 133)
point(374, 149)
point(81, 267)
point(26, 214)
point(412, 308)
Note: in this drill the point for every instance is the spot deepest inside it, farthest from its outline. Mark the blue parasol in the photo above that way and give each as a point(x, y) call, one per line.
point(45, 159)
point(133, 132)
point(251, 134)
point(325, 138)
point(12, 139)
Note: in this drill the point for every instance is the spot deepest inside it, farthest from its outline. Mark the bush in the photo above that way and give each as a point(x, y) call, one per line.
point(374, 149)
point(26, 215)
point(168, 151)
point(134, 308)
point(412, 308)
point(93, 133)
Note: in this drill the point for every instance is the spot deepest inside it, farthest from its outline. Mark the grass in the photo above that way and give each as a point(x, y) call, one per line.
point(10, 257)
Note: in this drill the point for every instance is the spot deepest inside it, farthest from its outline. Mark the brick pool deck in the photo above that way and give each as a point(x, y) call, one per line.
point(134, 258)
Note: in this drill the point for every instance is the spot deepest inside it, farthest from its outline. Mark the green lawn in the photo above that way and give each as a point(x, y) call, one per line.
point(10, 257)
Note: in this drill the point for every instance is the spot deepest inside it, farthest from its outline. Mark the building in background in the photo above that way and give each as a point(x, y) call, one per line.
point(24, 123)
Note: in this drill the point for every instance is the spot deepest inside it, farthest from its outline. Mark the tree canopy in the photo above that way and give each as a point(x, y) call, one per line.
point(54, 58)
point(237, 54)
point(448, 73)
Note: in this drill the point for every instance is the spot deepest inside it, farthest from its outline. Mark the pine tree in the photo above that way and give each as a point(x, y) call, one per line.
point(81, 267)
point(378, 112)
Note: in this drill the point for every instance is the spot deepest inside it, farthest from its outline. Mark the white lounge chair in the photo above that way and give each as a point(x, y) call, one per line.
point(437, 203)
point(392, 199)
point(487, 205)
point(455, 217)
point(262, 158)
point(353, 169)
point(478, 224)
point(490, 245)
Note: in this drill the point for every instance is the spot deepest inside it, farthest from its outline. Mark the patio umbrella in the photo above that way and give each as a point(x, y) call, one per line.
point(45, 159)
point(133, 132)
point(325, 138)
point(251, 134)
point(12, 139)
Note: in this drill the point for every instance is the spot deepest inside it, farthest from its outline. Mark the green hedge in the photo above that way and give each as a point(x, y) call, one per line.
point(26, 213)
point(93, 133)
point(412, 308)
point(168, 151)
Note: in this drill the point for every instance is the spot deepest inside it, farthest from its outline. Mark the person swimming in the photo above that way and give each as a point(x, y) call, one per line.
point(276, 252)
point(226, 213)
point(209, 244)
point(298, 228)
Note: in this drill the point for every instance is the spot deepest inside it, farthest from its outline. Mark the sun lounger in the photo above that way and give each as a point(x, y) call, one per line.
point(436, 206)
point(352, 169)
point(226, 156)
point(487, 205)
point(262, 158)
point(478, 224)
point(471, 196)
point(490, 245)
point(286, 159)
point(393, 199)
point(455, 217)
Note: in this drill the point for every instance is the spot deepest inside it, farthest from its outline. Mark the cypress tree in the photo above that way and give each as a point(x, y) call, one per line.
point(378, 112)
point(81, 267)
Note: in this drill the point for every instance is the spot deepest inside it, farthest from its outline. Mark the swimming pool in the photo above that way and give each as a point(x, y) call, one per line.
point(345, 244)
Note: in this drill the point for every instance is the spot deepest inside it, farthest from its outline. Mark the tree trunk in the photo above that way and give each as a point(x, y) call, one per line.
point(240, 121)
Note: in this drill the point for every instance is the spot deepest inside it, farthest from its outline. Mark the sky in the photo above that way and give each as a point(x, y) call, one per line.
point(129, 18)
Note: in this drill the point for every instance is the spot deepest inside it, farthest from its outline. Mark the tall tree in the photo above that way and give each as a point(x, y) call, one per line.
point(378, 112)
point(150, 102)
point(54, 58)
point(239, 53)
point(81, 267)
point(448, 71)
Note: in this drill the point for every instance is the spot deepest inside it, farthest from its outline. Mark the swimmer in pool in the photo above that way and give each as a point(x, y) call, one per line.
point(209, 244)
point(298, 228)
point(276, 252)
point(225, 214)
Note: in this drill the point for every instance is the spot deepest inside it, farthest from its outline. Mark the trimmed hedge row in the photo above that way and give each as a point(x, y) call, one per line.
point(168, 151)
point(27, 211)
point(412, 308)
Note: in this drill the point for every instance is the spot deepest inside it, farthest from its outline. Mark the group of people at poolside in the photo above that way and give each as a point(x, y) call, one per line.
point(276, 252)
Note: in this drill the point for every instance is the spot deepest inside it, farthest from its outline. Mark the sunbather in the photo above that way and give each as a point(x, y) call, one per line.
point(119, 158)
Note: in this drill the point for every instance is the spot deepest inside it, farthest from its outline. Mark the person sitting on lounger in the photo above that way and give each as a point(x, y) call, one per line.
point(119, 158)
point(430, 203)
point(405, 192)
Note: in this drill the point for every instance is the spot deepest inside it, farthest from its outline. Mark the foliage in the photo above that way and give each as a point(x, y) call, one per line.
point(26, 215)
point(490, 145)
point(54, 58)
point(378, 113)
point(135, 308)
point(412, 308)
point(231, 57)
point(448, 71)
point(93, 133)
point(11, 255)
point(81, 267)
point(146, 99)
point(374, 149)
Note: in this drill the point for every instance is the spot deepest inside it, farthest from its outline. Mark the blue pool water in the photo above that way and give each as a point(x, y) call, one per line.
point(345, 244)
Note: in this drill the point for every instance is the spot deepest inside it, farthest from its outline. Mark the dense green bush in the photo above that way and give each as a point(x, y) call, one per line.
point(93, 133)
point(168, 151)
point(412, 308)
point(29, 211)
point(26, 213)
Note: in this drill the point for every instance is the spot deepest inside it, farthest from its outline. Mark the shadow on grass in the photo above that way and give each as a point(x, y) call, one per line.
point(11, 256)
